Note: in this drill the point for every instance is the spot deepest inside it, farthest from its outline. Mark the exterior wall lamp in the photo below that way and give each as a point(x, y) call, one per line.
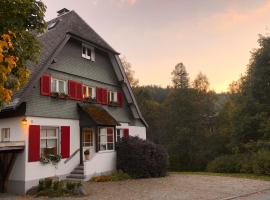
point(24, 121)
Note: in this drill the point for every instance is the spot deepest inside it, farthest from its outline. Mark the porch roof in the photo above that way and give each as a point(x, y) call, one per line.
point(12, 146)
point(93, 115)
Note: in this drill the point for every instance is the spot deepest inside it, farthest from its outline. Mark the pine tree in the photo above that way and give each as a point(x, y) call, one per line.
point(180, 77)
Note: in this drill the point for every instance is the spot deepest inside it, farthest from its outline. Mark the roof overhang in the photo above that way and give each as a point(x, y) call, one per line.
point(95, 115)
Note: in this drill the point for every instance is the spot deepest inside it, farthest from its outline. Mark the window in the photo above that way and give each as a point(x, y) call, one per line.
point(88, 52)
point(87, 137)
point(5, 134)
point(112, 96)
point(119, 134)
point(49, 141)
point(58, 86)
point(106, 139)
point(89, 92)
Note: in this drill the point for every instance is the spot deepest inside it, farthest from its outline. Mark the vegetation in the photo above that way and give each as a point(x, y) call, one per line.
point(141, 159)
point(116, 176)
point(49, 187)
point(20, 22)
point(202, 130)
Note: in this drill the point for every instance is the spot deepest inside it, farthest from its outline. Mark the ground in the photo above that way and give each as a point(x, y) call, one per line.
point(179, 187)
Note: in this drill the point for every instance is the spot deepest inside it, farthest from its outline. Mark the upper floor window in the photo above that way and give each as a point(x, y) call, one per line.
point(88, 52)
point(58, 86)
point(89, 92)
point(5, 134)
point(112, 97)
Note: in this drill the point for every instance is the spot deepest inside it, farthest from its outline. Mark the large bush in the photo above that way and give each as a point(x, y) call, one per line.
point(140, 158)
point(261, 162)
point(225, 164)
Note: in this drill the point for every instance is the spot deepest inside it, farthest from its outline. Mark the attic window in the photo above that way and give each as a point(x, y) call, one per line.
point(88, 52)
point(52, 25)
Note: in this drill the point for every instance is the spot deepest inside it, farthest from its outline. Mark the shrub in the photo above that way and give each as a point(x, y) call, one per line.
point(225, 164)
point(116, 176)
point(50, 188)
point(261, 162)
point(140, 158)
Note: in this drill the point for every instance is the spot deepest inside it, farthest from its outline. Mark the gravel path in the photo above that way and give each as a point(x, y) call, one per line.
point(173, 187)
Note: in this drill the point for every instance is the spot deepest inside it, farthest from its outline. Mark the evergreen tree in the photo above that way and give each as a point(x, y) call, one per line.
point(180, 77)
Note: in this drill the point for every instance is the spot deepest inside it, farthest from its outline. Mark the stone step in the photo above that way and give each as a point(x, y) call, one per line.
point(77, 171)
point(80, 167)
point(76, 176)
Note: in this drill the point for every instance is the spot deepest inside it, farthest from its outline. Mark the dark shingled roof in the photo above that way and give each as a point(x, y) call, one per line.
point(68, 23)
point(98, 114)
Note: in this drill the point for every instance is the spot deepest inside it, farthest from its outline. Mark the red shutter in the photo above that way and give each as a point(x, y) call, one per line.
point(79, 91)
point(120, 99)
point(65, 141)
point(126, 132)
point(34, 143)
point(99, 95)
point(72, 89)
point(45, 85)
point(105, 96)
point(109, 135)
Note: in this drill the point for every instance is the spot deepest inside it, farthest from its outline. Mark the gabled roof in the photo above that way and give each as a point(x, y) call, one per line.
point(60, 30)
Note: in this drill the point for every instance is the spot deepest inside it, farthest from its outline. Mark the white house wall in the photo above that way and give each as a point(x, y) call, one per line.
point(36, 170)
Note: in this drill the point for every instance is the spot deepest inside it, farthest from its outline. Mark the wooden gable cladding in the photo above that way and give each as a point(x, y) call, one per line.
point(45, 85)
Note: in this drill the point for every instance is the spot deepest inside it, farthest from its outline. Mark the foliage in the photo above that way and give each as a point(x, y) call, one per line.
point(180, 77)
point(50, 188)
point(116, 176)
point(140, 158)
point(54, 159)
point(201, 82)
point(20, 21)
point(129, 72)
point(226, 164)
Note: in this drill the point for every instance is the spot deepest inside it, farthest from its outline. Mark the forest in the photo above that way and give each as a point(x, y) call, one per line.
point(206, 131)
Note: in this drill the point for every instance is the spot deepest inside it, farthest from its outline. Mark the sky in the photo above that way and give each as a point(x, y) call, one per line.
point(214, 37)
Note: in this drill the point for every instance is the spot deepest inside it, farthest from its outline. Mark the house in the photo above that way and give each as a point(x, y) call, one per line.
point(77, 101)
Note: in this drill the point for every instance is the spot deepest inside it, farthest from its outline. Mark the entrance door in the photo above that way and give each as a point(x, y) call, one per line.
point(88, 142)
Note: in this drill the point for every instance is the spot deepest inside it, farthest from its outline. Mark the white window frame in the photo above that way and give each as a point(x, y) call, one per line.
point(3, 137)
point(91, 142)
point(57, 137)
point(120, 133)
point(57, 85)
point(113, 96)
point(93, 95)
point(105, 143)
point(89, 52)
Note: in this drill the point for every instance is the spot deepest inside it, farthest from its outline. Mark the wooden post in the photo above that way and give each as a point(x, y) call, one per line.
point(8, 171)
point(81, 145)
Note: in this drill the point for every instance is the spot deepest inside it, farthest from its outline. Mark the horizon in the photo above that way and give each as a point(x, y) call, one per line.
point(211, 37)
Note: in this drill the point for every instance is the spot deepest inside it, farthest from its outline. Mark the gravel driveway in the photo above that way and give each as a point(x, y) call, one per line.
point(173, 187)
point(176, 187)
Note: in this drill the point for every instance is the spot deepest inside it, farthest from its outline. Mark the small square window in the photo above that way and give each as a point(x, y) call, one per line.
point(5, 134)
point(59, 86)
point(88, 52)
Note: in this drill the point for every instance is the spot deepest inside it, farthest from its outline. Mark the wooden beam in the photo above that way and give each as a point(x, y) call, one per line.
point(8, 170)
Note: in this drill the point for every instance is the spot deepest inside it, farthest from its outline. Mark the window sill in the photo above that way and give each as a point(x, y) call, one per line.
point(106, 151)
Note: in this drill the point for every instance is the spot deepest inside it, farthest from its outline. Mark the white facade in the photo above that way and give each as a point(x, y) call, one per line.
point(27, 174)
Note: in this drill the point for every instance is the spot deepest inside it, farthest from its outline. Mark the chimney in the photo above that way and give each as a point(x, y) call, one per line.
point(62, 11)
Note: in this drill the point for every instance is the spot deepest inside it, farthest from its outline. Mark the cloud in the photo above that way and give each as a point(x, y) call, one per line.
point(232, 18)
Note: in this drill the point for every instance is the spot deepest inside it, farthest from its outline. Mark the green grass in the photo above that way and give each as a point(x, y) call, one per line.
point(237, 175)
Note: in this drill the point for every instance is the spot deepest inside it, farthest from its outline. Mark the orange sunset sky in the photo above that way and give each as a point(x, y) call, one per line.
point(211, 36)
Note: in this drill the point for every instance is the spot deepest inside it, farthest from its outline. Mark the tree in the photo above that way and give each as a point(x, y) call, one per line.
point(201, 82)
point(129, 72)
point(20, 22)
point(180, 77)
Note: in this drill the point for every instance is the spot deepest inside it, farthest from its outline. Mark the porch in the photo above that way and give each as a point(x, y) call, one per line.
point(97, 135)
point(8, 155)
